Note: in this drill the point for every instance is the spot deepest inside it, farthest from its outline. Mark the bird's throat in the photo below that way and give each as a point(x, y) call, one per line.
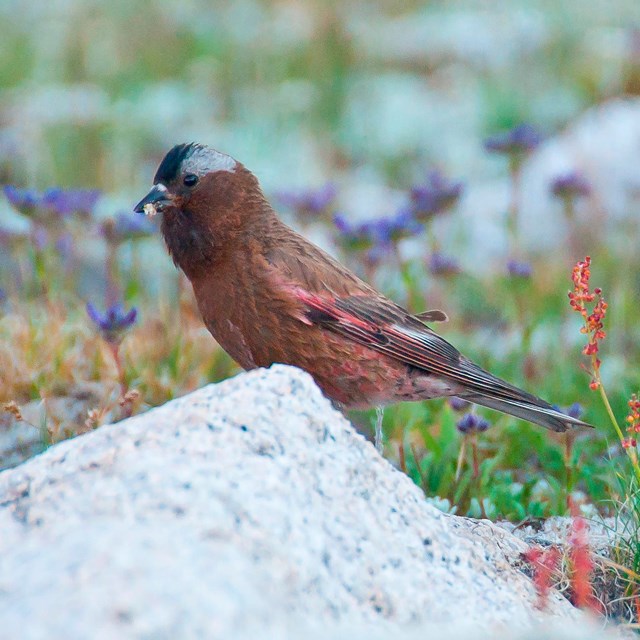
point(191, 247)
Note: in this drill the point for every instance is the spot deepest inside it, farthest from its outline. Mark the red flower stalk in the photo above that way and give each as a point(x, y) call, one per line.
point(582, 564)
point(593, 327)
point(633, 422)
point(593, 321)
point(543, 562)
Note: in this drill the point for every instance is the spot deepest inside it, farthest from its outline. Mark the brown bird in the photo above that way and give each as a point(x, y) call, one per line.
point(269, 295)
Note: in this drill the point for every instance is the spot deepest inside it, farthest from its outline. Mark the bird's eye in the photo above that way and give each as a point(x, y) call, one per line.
point(190, 180)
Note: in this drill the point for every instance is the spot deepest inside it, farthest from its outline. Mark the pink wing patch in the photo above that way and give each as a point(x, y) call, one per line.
point(332, 313)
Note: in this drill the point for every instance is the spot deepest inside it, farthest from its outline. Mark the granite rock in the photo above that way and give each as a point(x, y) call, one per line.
point(247, 508)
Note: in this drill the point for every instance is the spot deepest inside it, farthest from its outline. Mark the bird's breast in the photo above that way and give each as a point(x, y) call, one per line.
point(259, 323)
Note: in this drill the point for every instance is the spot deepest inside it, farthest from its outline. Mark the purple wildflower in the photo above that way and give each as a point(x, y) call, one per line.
point(126, 226)
point(388, 231)
point(517, 142)
point(24, 200)
point(458, 404)
point(311, 202)
point(71, 201)
point(575, 410)
point(114, 322)
point(356, 237)
point(59, 202)
point(435, 196)
point(381, 233)
point(442, 265)
point(571, 186)
point(471, 423)
point(518, 269)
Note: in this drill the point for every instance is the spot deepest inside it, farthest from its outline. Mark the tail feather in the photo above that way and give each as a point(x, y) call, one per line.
point(539, 412)
point(485, 389)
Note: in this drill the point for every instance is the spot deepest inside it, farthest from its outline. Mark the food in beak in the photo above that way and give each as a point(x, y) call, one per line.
point(150, 210)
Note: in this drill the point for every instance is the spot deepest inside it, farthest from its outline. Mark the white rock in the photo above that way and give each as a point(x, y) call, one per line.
point(248, 508)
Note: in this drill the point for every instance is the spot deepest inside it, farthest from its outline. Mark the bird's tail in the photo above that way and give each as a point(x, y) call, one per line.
point(487, 390)
point(538, 412)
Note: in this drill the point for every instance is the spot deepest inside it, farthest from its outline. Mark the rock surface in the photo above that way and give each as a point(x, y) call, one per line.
point(248, 508)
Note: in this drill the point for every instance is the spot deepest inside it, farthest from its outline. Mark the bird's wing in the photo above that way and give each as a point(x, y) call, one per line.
point(383, 326)
point(330, 296)
point(387, 328)
point(333, 297)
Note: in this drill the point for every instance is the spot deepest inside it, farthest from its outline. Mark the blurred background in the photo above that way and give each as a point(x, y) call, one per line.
point(460, 155)
point(92, 94)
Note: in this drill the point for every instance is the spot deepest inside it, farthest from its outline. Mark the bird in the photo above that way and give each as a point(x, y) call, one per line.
point(268, 295)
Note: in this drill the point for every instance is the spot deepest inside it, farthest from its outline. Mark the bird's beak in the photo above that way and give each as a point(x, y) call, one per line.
point(154, 201)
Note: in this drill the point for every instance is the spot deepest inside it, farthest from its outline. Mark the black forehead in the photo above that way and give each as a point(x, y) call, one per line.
point(170, 165)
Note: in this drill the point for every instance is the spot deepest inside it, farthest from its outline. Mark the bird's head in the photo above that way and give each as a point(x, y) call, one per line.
point(207, 200)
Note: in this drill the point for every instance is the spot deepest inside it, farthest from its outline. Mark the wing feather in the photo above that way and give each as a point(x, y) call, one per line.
point(387, 328)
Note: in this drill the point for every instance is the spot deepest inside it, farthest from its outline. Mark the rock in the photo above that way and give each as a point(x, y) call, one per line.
point(249, 508)
point(602, 533)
